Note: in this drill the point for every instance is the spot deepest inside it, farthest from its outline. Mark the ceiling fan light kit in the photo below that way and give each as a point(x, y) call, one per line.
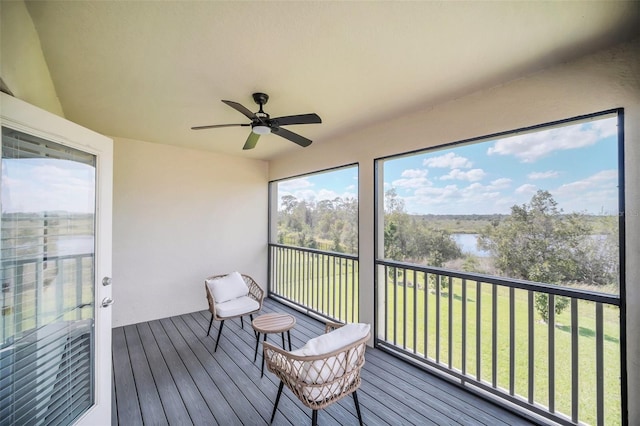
point(263, 124)
point(261, 130)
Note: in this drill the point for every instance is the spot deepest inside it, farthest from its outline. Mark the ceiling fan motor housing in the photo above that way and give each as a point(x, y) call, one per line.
point(260, 98)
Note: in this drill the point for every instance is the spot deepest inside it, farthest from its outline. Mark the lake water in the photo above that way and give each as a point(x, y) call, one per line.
point(468, 244)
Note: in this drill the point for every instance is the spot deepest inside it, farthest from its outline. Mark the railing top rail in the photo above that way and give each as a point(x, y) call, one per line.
point(593, 296)
point(13, 261)
point(316, 251)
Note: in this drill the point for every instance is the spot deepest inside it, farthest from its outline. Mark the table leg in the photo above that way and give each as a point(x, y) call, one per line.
point(262, 369)
point(289, 337)
point(255, 356)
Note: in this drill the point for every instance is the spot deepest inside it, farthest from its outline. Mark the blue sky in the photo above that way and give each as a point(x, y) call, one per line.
point(577, 164)
point(41, 184)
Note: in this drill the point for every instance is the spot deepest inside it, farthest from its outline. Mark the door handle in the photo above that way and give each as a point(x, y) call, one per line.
point(107, 301)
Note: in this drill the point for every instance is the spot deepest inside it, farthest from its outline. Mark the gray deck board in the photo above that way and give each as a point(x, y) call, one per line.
point(166, 372)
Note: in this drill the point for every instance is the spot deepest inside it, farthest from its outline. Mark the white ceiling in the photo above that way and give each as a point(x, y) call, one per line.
point(151, 70)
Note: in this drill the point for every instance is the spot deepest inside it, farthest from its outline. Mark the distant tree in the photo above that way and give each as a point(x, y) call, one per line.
point(409, 238)
point(538, 242)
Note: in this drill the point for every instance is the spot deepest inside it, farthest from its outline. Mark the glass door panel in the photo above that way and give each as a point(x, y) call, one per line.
point(47, 272)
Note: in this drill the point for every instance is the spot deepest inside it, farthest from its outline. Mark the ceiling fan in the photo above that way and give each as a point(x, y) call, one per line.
point(262, 123)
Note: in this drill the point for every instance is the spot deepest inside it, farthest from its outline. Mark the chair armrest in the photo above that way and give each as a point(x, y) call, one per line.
point(255, 292)
point(330, 326)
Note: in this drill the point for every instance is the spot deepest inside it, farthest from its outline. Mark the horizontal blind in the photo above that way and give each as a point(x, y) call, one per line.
point(47, 274)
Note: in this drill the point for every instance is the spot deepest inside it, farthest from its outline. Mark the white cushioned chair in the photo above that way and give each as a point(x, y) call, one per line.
point(326, 369)
point(231, 296)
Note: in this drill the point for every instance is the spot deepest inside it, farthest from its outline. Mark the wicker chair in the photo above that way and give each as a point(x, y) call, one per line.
point(221, 310)
point(319, 380)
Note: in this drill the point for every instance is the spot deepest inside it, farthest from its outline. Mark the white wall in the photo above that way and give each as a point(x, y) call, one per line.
point(22, 64)
point(595, 83)
point(179, 216)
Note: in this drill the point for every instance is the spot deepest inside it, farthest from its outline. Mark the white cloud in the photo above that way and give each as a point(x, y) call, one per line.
point(596, 194)
point(294, 184)
point(449, 160)
point(471, 175)
point(543, 175)
point(530, 147)
point(45, 184)
point(412, 178)
point(501, 183)
point(599, 180)
point(526, 189)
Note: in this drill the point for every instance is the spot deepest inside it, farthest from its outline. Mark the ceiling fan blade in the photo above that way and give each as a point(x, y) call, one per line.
point(251, 142)
point(244, 110)
point(293, 137)
point(298, 119)
point(214, 126)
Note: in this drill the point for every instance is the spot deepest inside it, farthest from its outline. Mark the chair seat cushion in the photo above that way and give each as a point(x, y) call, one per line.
point(238, 306)
point(227, 288)
point(335, 339)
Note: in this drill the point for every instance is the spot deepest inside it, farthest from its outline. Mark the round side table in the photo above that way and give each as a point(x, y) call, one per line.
point(272, 323)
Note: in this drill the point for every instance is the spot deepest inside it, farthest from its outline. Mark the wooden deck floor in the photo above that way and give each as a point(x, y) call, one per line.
point(165, 372)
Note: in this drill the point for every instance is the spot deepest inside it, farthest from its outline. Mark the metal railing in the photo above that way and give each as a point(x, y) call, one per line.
point(66, 281)
point(319, 282)
point(483, 332)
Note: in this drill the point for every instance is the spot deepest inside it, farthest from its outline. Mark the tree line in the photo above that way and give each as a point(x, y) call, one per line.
point(537, 241)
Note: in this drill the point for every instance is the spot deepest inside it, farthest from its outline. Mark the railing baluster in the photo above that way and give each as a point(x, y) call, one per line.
point(463, 349)
point(344, 318)
point(438, 277)
point(60, 285)
point(599, 365)
point(575, 378)
point(18, 297)
point(512, 340)
point(78, 287)
point(478, 331)
point(531, 333)
point(415, 311)
point(404, 308)
point(40, 292)
point(494, 335)
point(386, 303)
point(552, 351)
point(450, 318)
point(354, 302)
point(395, 305)
point(335, 292)
point(425, 291)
